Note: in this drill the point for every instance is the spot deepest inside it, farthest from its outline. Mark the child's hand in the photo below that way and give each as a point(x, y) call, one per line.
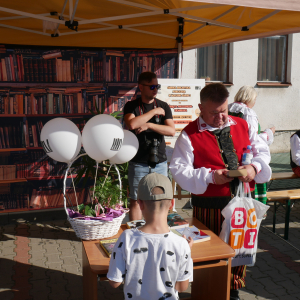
point(190, 241)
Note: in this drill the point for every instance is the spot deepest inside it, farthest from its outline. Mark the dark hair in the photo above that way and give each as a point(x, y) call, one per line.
point(215, 92)
point(146, 77)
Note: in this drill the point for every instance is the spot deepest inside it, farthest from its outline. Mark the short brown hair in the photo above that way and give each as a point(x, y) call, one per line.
point(146, 77)
point(215, 92)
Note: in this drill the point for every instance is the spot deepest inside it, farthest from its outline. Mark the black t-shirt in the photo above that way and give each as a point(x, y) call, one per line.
point(134, 107)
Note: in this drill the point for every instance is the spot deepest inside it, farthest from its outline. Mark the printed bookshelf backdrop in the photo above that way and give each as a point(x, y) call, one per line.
point(38, 84)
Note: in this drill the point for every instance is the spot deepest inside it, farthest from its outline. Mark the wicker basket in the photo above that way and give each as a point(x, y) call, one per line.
point(95, 229)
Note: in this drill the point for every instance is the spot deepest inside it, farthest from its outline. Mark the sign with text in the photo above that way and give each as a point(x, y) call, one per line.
point(183, 97)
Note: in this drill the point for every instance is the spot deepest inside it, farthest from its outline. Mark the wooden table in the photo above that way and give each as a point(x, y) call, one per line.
point(212, 266)
point(283, 175)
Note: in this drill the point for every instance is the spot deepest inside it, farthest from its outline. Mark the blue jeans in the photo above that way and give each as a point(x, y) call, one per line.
point(136, 171)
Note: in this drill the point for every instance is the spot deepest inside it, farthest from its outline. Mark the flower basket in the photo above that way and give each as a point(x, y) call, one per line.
point(99, 227)
point(95, 229)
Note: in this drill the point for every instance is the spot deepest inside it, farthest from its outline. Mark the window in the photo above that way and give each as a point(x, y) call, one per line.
point(213, 63)
point(272, 58)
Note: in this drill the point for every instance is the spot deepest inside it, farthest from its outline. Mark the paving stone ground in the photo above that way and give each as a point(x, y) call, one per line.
point(44, 261)
point(48, 265)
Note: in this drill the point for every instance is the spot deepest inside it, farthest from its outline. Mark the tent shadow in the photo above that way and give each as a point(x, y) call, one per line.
point(23, 281)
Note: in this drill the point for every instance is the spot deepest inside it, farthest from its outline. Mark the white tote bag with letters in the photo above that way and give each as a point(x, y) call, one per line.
point(243, 216)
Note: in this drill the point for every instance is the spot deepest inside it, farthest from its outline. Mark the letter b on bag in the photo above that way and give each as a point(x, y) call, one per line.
point(239, 218)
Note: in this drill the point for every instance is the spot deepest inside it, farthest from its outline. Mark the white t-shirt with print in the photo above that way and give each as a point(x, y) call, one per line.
point(151, 264)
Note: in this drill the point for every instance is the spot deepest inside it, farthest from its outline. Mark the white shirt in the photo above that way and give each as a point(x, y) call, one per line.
point(196, 181)
point(250, 116)
point(151, 263)
point(295, 149)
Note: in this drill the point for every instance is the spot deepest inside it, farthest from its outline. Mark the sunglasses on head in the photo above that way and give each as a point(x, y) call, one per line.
point(153, 86)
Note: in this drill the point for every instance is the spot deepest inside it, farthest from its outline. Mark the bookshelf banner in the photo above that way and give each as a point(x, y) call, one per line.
point(183, 97)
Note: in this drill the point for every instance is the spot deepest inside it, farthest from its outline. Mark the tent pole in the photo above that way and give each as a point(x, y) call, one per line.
point(179, 60)
point(74, 10)
point(70, 10)
point(29, 15)
point(24, 29)
point(61, 16)
point(180, 42)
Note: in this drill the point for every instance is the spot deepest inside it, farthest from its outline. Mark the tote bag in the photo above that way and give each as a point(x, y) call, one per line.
point(243, 216)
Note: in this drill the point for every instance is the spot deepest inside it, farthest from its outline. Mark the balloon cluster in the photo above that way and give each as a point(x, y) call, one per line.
point(102, 138)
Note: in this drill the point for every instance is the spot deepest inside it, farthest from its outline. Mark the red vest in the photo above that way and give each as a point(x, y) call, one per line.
point(208, 154)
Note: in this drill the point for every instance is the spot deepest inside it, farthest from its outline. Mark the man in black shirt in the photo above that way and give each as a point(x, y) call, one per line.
point(150, 120)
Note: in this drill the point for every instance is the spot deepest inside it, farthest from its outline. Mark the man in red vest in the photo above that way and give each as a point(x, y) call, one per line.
point(204, 152)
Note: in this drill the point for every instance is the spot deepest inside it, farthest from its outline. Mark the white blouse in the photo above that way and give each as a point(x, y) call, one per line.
point(295, 149)
point(250, 116)
point(197, 180)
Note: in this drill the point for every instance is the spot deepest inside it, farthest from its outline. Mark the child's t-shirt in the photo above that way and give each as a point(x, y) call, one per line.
point(150, 264)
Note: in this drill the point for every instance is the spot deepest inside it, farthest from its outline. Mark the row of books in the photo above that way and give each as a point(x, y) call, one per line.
point(41, 101)
point(36, 65)
point(21, 135)
point(4, 188)
point(122, 68)
point(76, 103)
point(14, 201)
point(25, 134)
point(75, 65)
point(45, 197)
point(16, 68)
point(11, 136)
point(7, 172)
point(40, 170)
point(29, 157)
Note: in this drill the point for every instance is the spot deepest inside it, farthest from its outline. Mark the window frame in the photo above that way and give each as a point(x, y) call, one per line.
point(288, 59)
point(229, 68)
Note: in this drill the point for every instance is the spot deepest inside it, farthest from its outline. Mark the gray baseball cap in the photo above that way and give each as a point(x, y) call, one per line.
point(151, 181)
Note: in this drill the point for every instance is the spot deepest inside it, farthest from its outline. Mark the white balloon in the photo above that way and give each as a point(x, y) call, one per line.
point(61, 139)
point(128, 150)
point(102, 137)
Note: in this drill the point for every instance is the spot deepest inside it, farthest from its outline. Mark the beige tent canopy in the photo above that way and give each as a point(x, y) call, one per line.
point(144, 24)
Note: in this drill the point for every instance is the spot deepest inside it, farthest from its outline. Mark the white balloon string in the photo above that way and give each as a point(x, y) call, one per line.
point(106, 176)
point(83, 154)
point(64, 187)
point(74, 191)
point(119, 177)
point(95, 180)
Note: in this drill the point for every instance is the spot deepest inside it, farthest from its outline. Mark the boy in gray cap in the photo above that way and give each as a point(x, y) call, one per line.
point(154, 262)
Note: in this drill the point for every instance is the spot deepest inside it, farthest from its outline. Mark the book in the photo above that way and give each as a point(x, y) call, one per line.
point(108, 246)
point(135, 224)
point(176, 221)
point(199, 235)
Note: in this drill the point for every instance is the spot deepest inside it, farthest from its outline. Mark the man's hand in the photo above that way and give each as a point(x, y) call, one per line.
point(221, 176)
point(250, 173)
point(142, 128)
point(159, 111)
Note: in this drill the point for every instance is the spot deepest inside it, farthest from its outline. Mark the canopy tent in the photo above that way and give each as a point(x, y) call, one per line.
point(144, 24)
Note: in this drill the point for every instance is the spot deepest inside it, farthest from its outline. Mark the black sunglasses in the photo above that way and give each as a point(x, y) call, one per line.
point(153, 86)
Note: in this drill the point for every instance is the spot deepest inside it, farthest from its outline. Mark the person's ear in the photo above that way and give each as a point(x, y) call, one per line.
point(141, 87)
point(200, 106)
point(172, 204)
point(141, 204)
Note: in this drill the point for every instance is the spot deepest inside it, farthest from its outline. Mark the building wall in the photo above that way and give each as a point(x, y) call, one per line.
point(278, 106)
